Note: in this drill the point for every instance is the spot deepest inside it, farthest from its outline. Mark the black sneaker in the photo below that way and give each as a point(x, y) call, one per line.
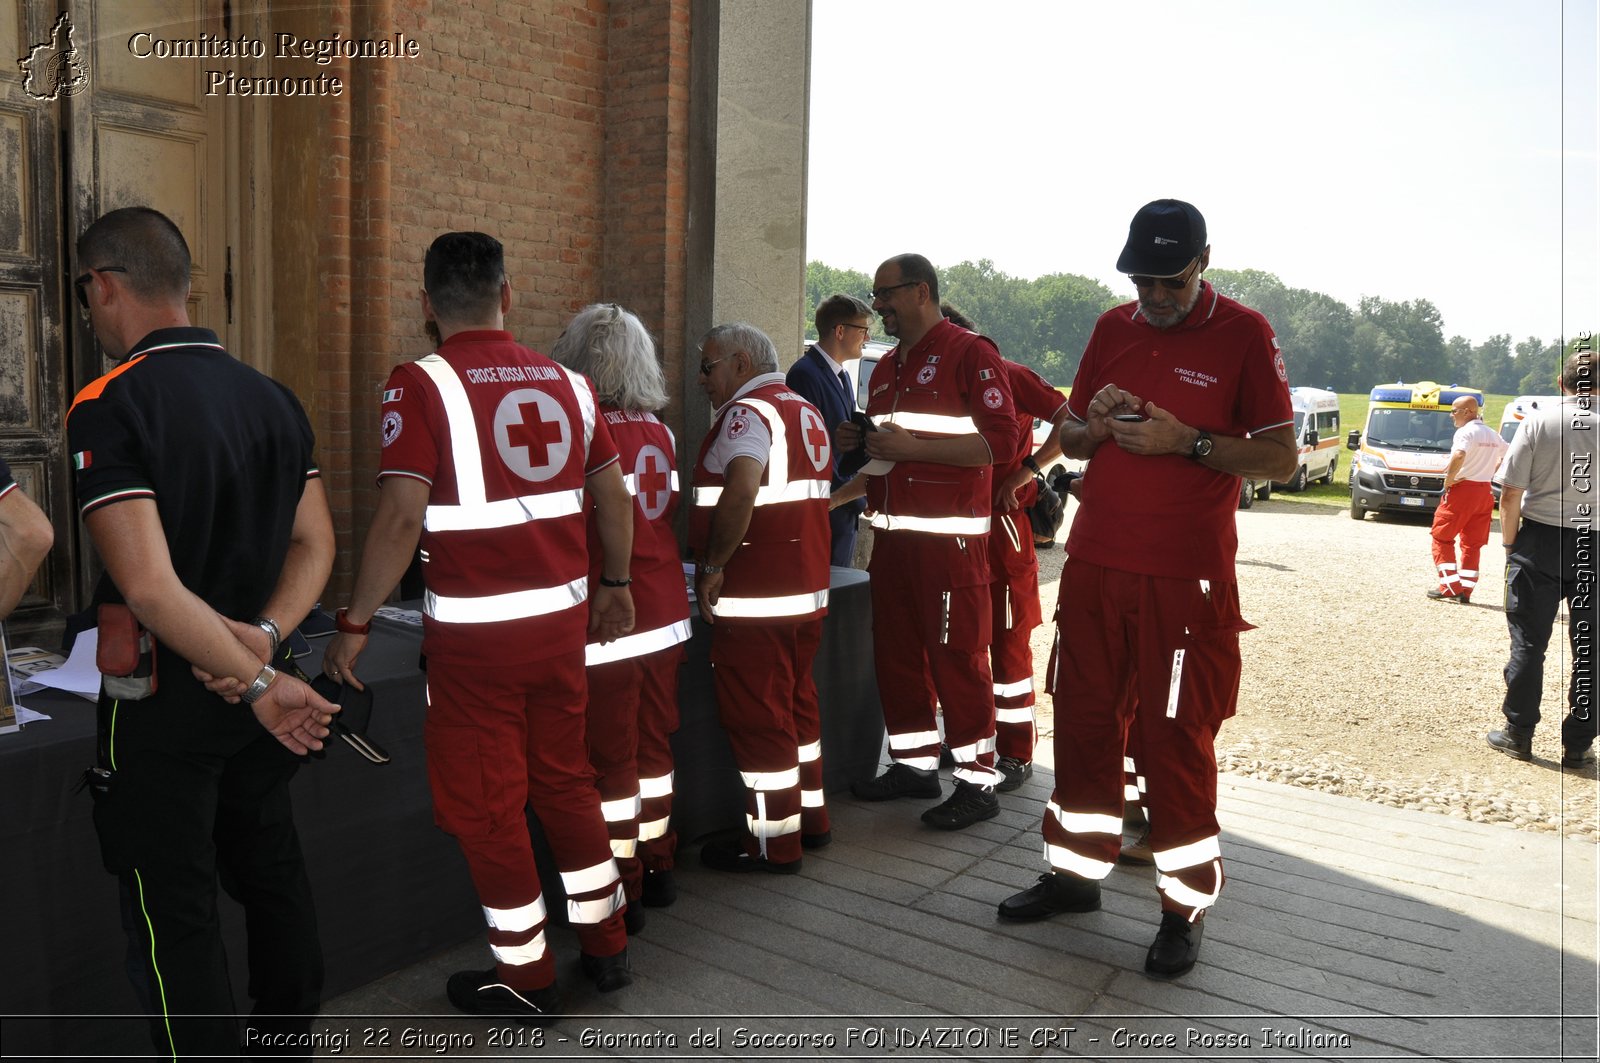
point(898, 781)
point(1442, 596)
point(1572, 757)
point(947, 759)
point(968, 805)
point(1014, 771)
point(633, 917)
point(729, 855)
point(483, 993)
point(1053, 894)
point(1512, 743)
point(608, 973)
point(819, 840)
point(1176, 947)
point(660, 889)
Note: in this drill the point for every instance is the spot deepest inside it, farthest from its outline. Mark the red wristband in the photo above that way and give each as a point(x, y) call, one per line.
point(347, 627)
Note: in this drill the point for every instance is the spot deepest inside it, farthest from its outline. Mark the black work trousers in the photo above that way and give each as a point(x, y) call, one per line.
point(1545, 565)
point(198, 793)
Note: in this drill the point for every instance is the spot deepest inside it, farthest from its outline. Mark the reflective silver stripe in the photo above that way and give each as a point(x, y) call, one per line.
point(810, 751)
point(1022, 715)
point(1127, 763)
point(1013, 690)
point(504, 513)
point(621, 810)
point(1063, 859)
point(936, 525)
point(1084, 822)
point(1010, 528)
point(624, 848)
point(1192, 855)
point(979, 776)
point(517, 955)
point(656, 786)
point(513, 605)
point(463, 430)
point(1174, 684)
point(1130, 794)
point(771, 780)
point(589, 879)
point(913, 739)
point(811, 799)
point(516, 920)
point(586, 407)
point(590, 912)
point(651, 829)
point(1187, 895)
point(920, 763)
point(969, 753)
point(929, 422)
point(780, 605)
point(772, 828)
point(637, 644)
point(770, 495)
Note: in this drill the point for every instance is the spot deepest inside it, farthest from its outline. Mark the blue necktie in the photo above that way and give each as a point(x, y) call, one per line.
point(844, 382)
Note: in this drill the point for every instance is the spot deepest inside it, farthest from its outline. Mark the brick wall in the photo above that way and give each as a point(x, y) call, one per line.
point(560, 128)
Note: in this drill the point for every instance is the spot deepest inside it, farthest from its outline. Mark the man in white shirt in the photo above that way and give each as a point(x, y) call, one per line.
point(1467, 507)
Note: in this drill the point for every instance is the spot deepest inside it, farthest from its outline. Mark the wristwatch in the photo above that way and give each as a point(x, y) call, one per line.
point(1200, 449)
point(1031, 464)
point(710, 569)
point(264, 680)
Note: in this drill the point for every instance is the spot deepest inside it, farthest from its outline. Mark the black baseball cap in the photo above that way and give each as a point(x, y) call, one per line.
point(1163, 239)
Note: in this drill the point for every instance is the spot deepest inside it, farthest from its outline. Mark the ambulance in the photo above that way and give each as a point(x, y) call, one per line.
point(1401, 457)
point(1316, 433)
point(1521, 408)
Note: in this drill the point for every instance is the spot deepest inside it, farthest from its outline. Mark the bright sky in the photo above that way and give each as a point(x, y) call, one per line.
point(1400, 148)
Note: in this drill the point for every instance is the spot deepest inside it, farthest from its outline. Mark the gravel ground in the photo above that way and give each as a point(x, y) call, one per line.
point(1355, 683)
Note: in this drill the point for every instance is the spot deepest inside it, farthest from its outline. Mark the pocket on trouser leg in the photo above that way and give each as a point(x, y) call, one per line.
point(459, 778)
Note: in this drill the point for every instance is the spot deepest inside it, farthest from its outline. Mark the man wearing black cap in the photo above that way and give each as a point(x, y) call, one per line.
point(1179, 394)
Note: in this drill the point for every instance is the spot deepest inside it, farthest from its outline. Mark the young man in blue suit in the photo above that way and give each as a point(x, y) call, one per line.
point(843, 324)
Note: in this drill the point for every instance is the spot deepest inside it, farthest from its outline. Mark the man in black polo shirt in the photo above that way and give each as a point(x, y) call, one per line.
point(197, 483)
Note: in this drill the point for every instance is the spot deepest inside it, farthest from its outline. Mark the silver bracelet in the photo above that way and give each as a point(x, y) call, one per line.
point(274, 636)
point(264, 680)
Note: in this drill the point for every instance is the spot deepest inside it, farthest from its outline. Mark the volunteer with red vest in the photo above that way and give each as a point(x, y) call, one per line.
point(633, 681)
point(490, 451)
point(1178, 395)
point(759, 530)
point(941, 404)
point(1014, 594)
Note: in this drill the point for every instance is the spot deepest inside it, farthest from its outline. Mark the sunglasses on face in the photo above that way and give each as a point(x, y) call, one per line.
point(77, 285)
point(1177, 283)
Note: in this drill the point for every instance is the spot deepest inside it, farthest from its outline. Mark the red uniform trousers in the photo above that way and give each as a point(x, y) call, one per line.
point(1466, 511)
point(658, 721)
point(760, 672)
point(613, 737)
point(502, 738)
point(1176, 641)
point(1014, 596)
point(930, 642)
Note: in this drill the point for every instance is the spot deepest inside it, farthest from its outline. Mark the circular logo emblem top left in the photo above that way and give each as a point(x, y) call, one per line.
point(532, 434)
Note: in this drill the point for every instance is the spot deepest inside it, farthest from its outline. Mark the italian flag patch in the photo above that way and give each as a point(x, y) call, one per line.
point(82, 459)
point(393, 394)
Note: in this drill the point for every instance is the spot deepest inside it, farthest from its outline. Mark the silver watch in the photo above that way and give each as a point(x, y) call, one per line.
point(274, 636)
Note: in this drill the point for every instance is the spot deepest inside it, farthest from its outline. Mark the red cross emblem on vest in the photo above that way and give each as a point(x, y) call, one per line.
point(532, 433)
point(652, 477)
point(815, 436)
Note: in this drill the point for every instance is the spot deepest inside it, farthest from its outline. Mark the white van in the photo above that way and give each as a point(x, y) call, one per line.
point(1316, 433)
point(1521, 408)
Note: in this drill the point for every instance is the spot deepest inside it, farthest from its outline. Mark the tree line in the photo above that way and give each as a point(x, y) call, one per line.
point(1045, 323)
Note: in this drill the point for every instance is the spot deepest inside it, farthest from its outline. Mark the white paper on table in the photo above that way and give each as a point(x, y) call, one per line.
point(26, 715)
point(79, 675)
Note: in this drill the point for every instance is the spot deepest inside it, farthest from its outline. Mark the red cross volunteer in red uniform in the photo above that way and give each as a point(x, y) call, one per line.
point(941, 404)
point(489, 449)
point(1179, 394)
point(1014, 594)
point(759, 529)
point(1466, 509)
point(633, 681)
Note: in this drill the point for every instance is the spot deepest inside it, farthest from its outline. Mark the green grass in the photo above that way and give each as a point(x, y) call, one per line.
point(1353, 414)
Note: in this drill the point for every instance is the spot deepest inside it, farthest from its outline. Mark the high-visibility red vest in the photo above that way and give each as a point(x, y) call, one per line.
point(780, 571)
